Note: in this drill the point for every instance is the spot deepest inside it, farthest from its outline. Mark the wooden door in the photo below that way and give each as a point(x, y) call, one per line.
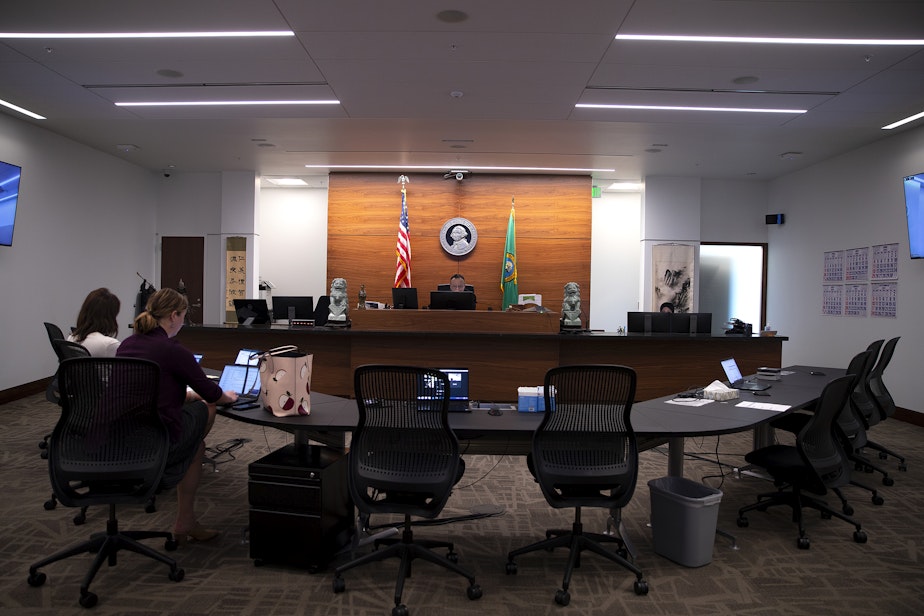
point(182, 263)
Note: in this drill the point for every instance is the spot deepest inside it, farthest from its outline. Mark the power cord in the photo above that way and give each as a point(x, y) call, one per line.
point(225, 449)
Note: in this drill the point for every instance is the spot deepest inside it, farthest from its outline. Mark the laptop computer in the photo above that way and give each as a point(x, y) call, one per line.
point(458, 390)
point(245, 380)
point(247, 357)
point(735, 380)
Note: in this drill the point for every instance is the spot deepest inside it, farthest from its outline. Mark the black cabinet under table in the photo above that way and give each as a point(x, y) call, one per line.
point(300, 508)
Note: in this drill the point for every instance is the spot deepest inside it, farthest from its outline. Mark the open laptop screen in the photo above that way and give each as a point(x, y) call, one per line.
point(233, 378)
point(247, 356)
point(732, 373)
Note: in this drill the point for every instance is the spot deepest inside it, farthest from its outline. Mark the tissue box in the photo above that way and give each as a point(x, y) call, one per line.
point(531, 399)
point(719, 396)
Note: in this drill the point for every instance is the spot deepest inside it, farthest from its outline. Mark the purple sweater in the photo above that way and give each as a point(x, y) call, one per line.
point(178, 368)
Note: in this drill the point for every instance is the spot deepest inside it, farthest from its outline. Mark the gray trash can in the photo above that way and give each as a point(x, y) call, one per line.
point(684, 514)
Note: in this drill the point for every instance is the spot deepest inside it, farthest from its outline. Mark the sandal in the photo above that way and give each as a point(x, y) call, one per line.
point(196, 534)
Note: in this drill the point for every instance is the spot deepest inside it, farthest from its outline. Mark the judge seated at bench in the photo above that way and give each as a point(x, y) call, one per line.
point(456, 283)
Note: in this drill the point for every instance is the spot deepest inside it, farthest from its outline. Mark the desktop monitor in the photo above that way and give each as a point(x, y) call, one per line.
point(648, 322)
point(404, 298)
point(293, 307)
point(446, 287)
point(251, 311)
point(452, 300)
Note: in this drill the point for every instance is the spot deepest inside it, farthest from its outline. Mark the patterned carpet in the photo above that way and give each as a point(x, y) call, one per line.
point(766, 575)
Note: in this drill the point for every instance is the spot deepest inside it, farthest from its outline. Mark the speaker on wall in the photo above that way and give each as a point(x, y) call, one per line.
point(775, 219)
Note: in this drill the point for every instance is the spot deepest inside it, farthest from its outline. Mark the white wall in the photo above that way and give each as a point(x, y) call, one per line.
point(851, 201)
point(615, 259)
point(85, 220)
point(293, 226)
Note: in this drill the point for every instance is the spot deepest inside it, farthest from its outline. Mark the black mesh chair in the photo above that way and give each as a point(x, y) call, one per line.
point(64, 350)
point(585, 454)
point(815, 464)
point(108, 448)
point(849, 428)
point(885, 405)
point(51, 392)
point(404, 459)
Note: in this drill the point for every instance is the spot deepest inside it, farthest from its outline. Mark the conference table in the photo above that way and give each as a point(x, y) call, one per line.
point(668, 419)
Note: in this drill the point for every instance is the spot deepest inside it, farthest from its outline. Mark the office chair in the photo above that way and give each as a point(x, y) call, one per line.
point(885, 405)
point(51, 392)
point(815, 464)
point(64, 350)
point(108, 448)
point(848, 426)
point(404, 459)
point(584, 454)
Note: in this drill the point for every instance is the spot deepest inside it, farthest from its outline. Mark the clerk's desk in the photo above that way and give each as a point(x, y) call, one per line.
point(654, 421)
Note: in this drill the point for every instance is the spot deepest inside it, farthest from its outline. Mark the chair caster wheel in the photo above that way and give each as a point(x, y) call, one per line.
point(859, 536)
point(177, 576)
point(878, 500)
point(888, 481)
point(171, 544)
point(399, 610)
point(742, 522)
point(562, 597)
point(473, 592)
point(44, 454)
point(903, 467)
point(80, 519)
point(803, 543)
point(511, 568)
point(88, 599)
point(50, 504)
point(339, 585)
point(623, 553)
point(640, 587)
point(36, 579)
point(847, 509)
point(452, 557)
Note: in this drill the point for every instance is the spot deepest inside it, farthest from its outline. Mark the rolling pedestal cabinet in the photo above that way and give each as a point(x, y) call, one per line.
point(300, 508)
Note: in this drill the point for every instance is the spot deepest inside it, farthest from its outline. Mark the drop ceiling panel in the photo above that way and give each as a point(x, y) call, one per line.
point(490, 89)
point(588, 16)
point(811, 18)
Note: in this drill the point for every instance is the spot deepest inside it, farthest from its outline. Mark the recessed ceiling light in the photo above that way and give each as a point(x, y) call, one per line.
point(625, 186)
point(679, 108)
point(26, 112)
point(220, 103)
point(452, 166)
point(916, 116)
point(767, 40)
point(287, 181)
point(142, 35)
point(127, 148)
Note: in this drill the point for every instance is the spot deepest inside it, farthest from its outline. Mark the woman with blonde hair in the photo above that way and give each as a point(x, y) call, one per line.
point(186, 402)
point(96, 323)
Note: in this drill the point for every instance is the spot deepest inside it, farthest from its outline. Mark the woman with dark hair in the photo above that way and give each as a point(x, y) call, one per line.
point(96, 324)
point(186, 402)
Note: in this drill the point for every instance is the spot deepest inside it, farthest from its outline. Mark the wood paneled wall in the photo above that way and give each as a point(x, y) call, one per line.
point(553, 224)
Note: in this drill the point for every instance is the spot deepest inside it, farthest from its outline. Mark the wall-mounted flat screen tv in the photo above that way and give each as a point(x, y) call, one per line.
point(914, 210)
point(9, 195)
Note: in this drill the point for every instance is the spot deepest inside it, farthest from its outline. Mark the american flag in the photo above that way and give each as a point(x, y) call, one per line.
point(403, 250)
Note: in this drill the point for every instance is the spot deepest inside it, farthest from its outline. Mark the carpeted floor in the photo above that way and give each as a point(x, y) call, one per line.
point(765, 575)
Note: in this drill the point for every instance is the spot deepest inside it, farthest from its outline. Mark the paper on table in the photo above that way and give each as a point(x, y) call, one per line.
point(764, 406)
point(689, 401)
